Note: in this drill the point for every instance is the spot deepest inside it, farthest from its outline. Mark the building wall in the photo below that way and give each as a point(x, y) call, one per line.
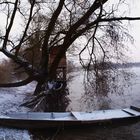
point(61, 71)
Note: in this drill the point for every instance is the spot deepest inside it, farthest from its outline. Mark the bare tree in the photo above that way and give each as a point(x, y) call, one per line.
point(60, 24)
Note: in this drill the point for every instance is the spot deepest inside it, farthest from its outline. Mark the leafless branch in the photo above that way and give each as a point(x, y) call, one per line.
point(7, 2)
point(10, 24)
point(26, 28)
point(26, 65)
point(17, 84)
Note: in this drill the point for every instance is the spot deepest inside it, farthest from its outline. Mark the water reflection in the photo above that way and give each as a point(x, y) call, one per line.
point(129, 132)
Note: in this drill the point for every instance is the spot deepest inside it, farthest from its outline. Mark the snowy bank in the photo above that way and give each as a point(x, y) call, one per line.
point(10, 99)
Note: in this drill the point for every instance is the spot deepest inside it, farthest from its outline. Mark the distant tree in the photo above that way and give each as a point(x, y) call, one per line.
point(62, 24)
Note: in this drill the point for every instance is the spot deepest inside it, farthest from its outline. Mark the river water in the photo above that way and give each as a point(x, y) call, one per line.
point(129, 96)
point(11, 98)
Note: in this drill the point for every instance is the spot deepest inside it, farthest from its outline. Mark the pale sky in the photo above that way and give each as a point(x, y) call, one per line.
point(134, 30)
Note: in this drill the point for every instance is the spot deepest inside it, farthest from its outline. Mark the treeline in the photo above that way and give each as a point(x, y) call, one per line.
point(126, 65)
point(7, 72)
point(108, 65)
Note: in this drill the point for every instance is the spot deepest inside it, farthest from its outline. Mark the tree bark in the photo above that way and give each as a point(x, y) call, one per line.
point(38, 88)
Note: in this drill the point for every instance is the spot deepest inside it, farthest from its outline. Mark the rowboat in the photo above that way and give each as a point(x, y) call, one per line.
point(38, 120)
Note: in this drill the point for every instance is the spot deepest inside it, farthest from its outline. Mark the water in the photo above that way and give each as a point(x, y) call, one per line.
point(92, 133)
point(130, 96)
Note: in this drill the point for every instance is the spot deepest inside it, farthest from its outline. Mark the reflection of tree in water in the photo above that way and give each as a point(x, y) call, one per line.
point(92, 133)
point(102, 81)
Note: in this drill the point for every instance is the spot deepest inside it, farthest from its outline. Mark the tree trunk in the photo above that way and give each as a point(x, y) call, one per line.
point(38, 88)
point(48, 100)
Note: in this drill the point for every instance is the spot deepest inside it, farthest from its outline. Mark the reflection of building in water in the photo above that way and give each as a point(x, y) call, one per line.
point(61, 70)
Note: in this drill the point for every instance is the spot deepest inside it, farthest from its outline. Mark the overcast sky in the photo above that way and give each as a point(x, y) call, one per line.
point(134, 30)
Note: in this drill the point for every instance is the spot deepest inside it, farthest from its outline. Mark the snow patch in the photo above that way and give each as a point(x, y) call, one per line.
point(10, 99)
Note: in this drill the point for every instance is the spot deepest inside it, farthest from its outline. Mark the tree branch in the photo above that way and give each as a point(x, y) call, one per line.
point(18, 84)
point(94, 7)
point(12, 43)
point(26, 28)
point(119, 19)
point(45, 49)
point(7, 2)
point(92, 24)
point(53, 21)
point(69, 39)
point(10, 25)
point(26, 65)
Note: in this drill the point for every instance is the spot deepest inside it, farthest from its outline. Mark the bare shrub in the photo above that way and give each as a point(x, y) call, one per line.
point(17, 72)
point(6, 72)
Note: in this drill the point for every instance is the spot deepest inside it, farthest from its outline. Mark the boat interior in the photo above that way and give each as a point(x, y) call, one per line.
point(95, 115)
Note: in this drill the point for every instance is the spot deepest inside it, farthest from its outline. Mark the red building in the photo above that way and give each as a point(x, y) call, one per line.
point(61, 70)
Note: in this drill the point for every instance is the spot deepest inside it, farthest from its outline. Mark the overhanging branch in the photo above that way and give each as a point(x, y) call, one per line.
point(10, 24)
point(93, 8)
point(18, 84)
point(99, 20)
point(23, 63)
point(17, 48)
point(119, 19)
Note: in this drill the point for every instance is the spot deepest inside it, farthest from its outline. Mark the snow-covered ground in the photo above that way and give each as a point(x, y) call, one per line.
point(10, 99)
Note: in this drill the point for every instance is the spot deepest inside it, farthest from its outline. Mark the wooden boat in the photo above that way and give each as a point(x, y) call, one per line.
point(39, 120)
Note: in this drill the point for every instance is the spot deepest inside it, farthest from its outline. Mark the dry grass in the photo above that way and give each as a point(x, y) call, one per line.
point(5, 71)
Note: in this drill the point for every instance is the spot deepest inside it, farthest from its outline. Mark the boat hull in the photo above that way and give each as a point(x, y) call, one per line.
point(53, 120)
point(41, 124)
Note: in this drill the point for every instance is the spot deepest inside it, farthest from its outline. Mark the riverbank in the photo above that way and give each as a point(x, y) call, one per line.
point(10, 99)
